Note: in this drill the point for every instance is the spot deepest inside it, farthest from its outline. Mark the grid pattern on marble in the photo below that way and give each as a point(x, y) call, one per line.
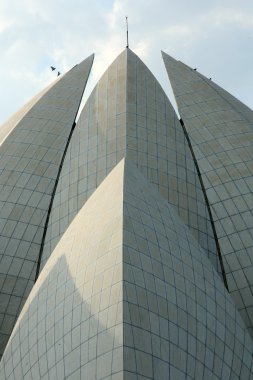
point(97, 144)
point(222, 139)
point(179, 320)
point(128, 114)
point(11, 123)
point(71, 324)
point(235, 103)
point(30, 158)
point(157, 144)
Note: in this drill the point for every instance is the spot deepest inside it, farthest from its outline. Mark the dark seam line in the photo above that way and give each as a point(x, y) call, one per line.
point(51, 202)
point(207, 204)
point(56, 183)
point(221, 94)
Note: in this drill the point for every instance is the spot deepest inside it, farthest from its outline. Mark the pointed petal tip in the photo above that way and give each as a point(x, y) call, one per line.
point(129, 51)
point(166, 55)
point(91, 56)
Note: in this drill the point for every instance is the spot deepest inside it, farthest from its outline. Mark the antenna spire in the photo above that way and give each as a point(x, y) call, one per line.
point(127, 31)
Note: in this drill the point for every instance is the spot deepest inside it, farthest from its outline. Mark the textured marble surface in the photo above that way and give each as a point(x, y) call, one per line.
point(130, 284)
point(221, 132)
point(32, 147)
point(129, 115)
point(128, 293)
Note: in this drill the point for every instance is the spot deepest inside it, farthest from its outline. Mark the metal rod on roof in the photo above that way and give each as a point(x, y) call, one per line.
point(127, 31)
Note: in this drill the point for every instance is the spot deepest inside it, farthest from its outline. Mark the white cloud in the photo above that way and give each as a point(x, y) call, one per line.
point(115, 15)
point(234, 17)
point(5, 24)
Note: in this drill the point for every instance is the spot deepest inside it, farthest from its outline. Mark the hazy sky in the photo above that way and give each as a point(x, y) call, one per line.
point(216, 36)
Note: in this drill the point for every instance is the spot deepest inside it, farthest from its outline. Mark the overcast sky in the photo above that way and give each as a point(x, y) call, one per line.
point(216, 36)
